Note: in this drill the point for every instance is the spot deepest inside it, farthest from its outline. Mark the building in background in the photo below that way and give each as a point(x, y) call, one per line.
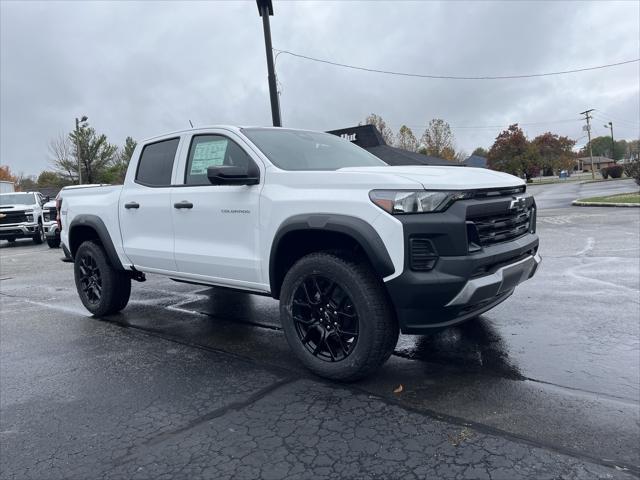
point(369, 138)
point(7, 187)
point(584, 163)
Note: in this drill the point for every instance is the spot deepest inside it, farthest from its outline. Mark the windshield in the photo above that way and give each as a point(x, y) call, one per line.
point(17, 199)
point(300, 150)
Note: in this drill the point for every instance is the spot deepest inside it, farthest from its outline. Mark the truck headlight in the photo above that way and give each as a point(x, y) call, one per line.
point(398, 202)
point(29, 215)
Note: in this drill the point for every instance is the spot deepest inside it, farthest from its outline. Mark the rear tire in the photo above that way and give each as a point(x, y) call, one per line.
point(38, 237)
point(103, 290)
point(337, 317)
point(11, 240)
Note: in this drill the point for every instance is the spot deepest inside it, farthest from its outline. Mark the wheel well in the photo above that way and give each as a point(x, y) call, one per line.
point(298, 243)
point(79, 234)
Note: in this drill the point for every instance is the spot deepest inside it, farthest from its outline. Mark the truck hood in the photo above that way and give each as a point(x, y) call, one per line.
point(17, 207)
point(446, 178)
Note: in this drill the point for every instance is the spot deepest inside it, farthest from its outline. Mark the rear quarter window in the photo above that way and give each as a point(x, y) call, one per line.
point(156, 163)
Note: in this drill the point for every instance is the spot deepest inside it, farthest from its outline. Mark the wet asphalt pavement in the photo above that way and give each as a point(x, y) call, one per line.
point(194, 382)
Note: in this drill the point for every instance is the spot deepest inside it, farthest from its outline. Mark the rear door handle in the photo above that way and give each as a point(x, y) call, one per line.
point(131, 205)
point(183, 204)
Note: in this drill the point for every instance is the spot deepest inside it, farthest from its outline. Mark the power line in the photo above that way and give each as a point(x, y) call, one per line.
point(454, 77)
point(606, 117)
point(520, 124)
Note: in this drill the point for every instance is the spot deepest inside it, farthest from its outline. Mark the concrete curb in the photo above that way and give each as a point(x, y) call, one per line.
point(603, 180)
point(578, 203)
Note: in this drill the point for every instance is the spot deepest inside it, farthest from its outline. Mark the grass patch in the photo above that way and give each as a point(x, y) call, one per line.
point(633, 197)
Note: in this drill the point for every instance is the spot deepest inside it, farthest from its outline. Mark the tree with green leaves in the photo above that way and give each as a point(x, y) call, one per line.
point(513, 153)
point(406, 139)
point(438, 141)
point(555, 152)
point(601, 146)
point(381, 125)
point(52, 179)
point(481, 152)
point(101, 162)
point(117, 171)
point(93, 150)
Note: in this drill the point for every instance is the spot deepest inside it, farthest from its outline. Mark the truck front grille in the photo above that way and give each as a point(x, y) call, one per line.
point(50, 214)
point(502, 227)
point(7, 218)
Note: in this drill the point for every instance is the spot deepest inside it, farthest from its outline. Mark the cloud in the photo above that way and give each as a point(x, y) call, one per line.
point(144, 68)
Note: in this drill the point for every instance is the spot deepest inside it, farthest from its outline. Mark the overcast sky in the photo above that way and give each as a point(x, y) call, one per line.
point(142, 69)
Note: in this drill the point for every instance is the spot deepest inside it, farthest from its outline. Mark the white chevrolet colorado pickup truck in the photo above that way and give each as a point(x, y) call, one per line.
point(354, 249)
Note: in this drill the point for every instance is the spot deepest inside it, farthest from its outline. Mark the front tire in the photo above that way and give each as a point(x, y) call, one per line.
point(103, 290)
point(38, 237)
point(53, 242)
point(337, 317)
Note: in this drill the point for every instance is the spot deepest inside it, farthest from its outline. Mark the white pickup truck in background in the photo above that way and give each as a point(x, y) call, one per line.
point(21, 216)
point(354, 249)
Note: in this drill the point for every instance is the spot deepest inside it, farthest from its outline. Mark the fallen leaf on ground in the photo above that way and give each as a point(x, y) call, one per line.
point(398, 389)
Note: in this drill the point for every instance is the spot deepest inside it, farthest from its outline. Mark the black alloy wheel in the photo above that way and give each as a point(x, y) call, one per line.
point(90, 278)
point(325, 318)
point(103, 290)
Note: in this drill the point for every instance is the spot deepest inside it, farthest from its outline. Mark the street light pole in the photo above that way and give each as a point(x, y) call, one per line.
point(83, 119)
point(265, 8)
point(613, 144)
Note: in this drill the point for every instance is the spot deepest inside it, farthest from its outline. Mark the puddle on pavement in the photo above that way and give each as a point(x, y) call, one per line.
point(474, 345)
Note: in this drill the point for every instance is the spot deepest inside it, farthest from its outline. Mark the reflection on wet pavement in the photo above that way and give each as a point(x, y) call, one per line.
point(475, 345)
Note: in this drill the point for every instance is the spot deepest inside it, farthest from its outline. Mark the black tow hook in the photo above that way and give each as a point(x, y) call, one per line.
point(137, 275)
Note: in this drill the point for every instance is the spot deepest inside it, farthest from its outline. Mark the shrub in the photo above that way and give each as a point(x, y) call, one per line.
point(615, 171)
point(605, 173)
point(632, 170)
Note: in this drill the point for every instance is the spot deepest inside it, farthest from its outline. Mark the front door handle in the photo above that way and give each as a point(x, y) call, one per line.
point(183, 204)
point(131, 205)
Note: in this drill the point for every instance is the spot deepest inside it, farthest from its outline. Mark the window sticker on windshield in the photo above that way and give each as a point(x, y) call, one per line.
point(208, 154)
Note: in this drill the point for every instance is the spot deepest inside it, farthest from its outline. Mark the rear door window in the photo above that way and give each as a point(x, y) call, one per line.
point(156, 163)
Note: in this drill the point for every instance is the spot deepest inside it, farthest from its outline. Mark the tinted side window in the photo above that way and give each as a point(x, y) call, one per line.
point(156, 163)
point(213, 150)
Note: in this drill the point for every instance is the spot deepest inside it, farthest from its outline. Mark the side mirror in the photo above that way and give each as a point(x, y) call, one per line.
point(47, 199)
point(231, 175)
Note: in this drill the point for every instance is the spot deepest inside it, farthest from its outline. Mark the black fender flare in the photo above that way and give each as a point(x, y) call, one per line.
point(94, 222)
point(361, 231)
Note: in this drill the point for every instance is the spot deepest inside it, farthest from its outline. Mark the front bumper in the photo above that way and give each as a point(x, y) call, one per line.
point(466, 280)
point(453, 292)
point(18, 230)
point(51, 230)
point(503, 280)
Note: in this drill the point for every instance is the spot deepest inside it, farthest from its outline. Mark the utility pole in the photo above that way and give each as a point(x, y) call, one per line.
point(587, 117)
point(613, 144)
point(83, 119)
point(265, 8)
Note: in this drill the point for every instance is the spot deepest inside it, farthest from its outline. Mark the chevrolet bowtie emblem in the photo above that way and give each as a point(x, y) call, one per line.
point(518, 203)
